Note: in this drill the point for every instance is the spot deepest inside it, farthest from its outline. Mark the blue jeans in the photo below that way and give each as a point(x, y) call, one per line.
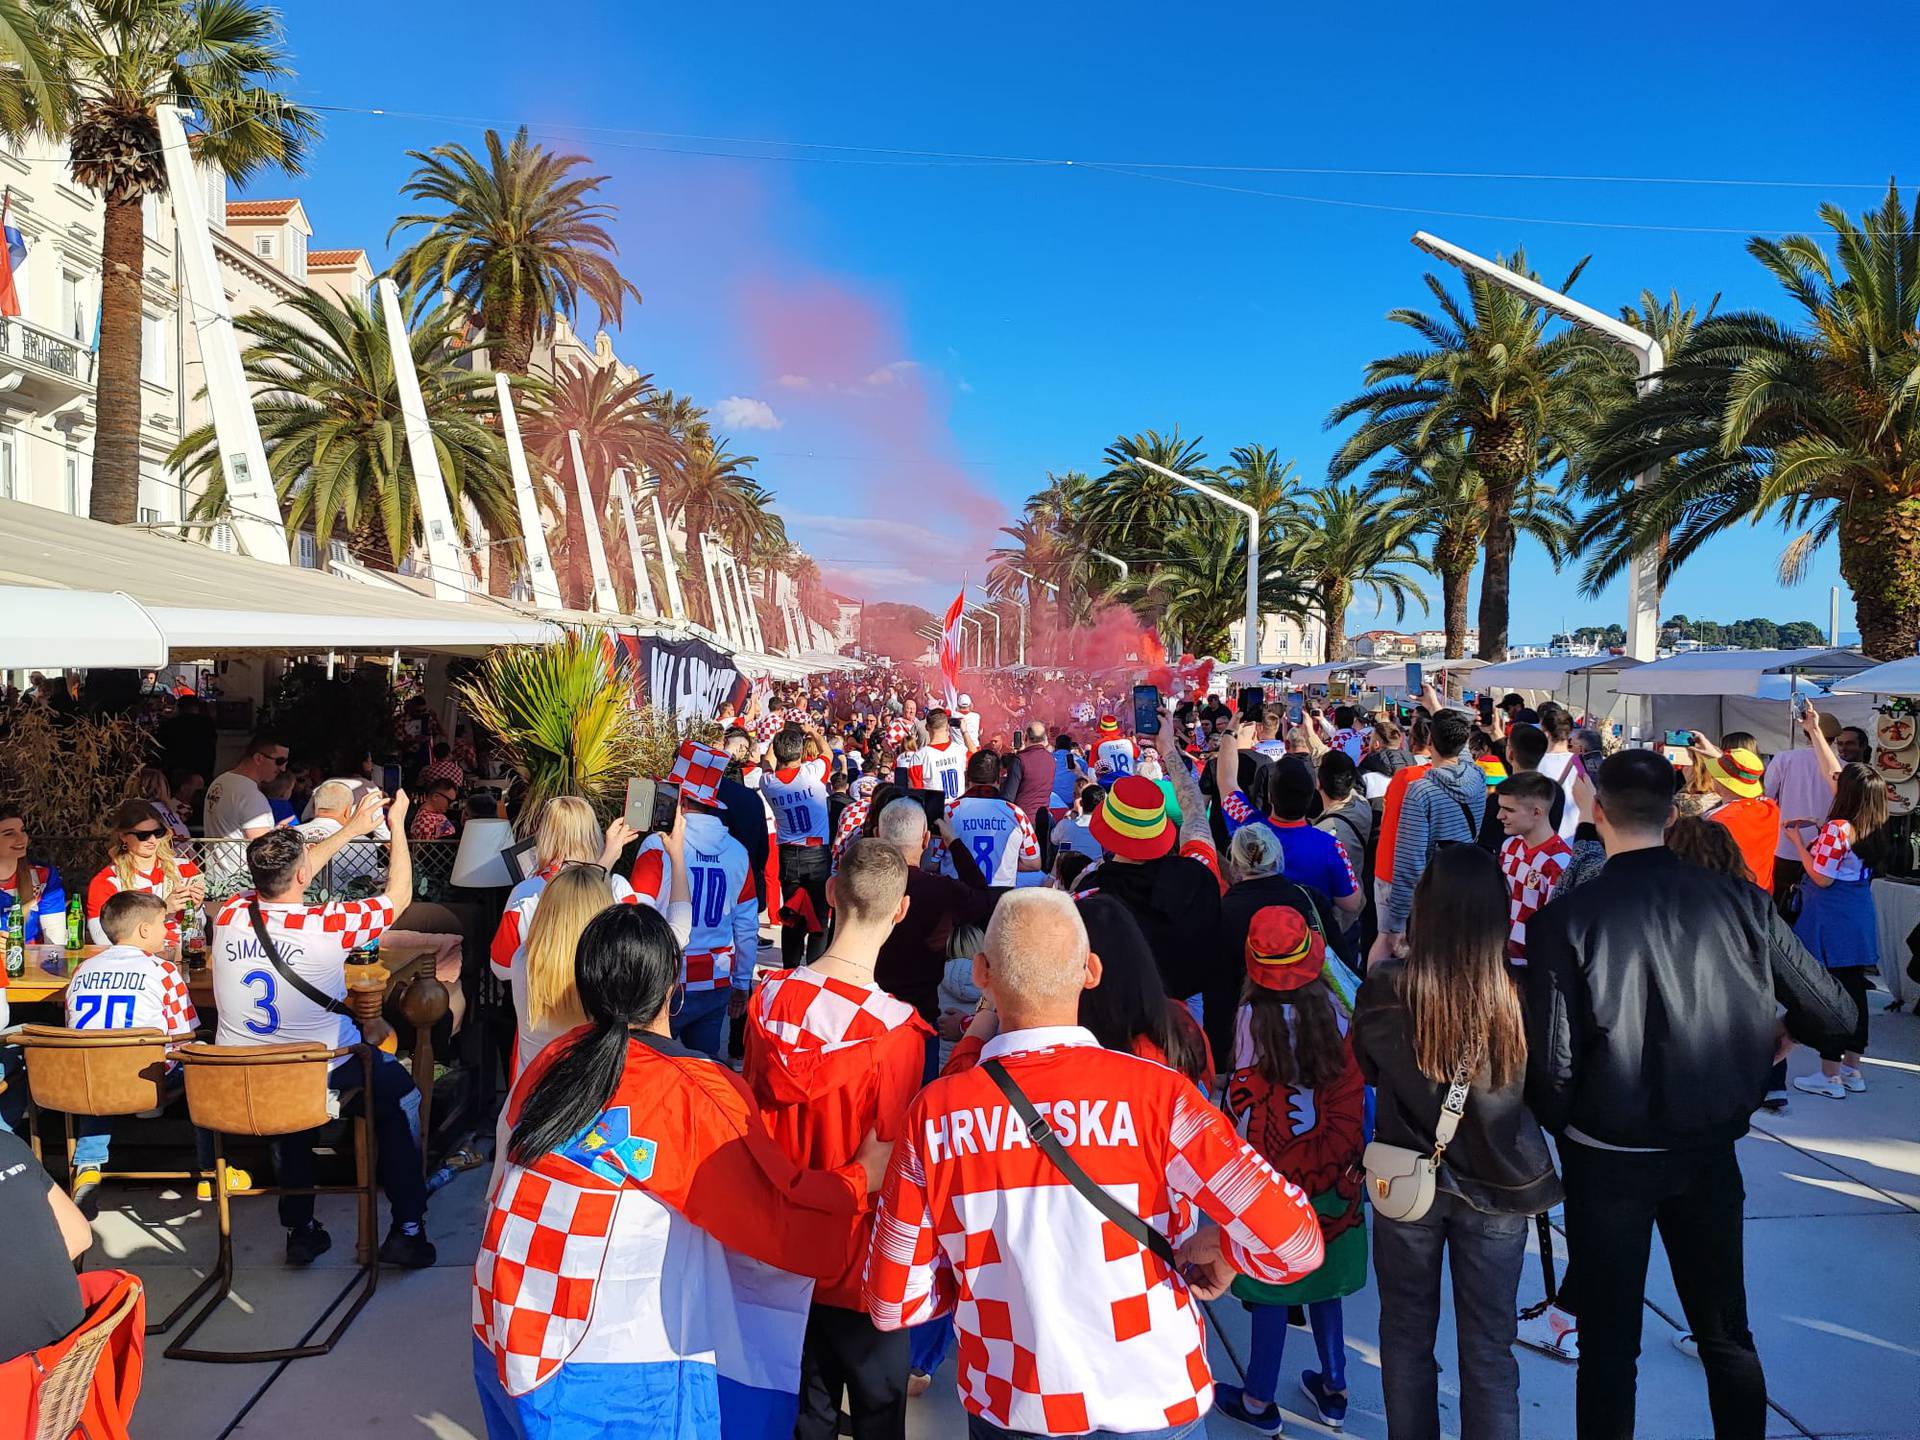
point(978, 1429)
point(93, 1134)
point(702, 1022)
point(397, 1149)
point(1270, 1343)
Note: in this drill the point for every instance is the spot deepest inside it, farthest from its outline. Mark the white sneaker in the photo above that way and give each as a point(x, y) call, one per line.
point(1853, 1080)
point(1818, 1084)
point(1550, 1330)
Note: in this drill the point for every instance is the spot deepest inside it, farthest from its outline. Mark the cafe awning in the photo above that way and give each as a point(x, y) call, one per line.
point(81, 592)
point(1549, 672)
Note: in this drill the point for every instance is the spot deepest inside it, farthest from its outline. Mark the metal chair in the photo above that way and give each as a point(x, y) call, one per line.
point(267, 1091)
point(98, 1073)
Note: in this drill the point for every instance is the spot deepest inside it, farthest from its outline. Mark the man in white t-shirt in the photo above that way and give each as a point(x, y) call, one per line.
point(264, 999)
point(969, 719)
point(236, 807)
point(941, 763)
point(997, 833)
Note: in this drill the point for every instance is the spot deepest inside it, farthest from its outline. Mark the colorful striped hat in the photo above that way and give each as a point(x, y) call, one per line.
point(1283, 952)
point(1132, 821)
point(1109, 726)
point(1741, 771)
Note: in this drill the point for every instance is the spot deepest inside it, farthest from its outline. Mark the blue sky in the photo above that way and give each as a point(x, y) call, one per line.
point(932, 336)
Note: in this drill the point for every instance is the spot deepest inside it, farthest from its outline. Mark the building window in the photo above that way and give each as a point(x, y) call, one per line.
point(216, 197)
point(263, 245)
point(149, 515)
point(72, 317)
point(309, 554)
point(297, 255)
point(75, 500)
point(9, 467)
point(221, 537)
point(153, 349)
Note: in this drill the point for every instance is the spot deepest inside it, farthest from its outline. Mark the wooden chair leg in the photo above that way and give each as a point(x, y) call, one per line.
point(423, 1082)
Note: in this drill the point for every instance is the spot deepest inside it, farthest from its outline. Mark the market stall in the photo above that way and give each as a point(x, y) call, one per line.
point(1894, 689)
point(1716, 691)
point(1583, 683)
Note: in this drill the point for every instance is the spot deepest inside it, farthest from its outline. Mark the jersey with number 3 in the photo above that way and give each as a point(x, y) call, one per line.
point(725, 939)
point(125, 988)
point(798, 795)
point(996, 832)
point(257, 1006)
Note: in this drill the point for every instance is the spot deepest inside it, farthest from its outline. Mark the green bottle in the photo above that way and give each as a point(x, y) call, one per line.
point(76, 927)
point(16, 938)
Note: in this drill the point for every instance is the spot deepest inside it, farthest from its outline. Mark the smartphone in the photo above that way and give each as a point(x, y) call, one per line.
point(651, 805)
point(1800, 707)
point(1296, 707)
point(1682, 738)
point(1146, 710)
point(390, 780)
point(1486, 709)
point(1253, 699)
point(1416, 676)
point(934, 802)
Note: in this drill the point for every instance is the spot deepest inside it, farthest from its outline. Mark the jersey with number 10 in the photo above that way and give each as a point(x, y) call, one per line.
point(725, 940)
point(798, 796)
point(938, 767)
point(996, 832)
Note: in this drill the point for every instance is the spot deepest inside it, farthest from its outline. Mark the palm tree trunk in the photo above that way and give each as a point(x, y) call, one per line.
point(1334, 596)
point(1502, 471)
point(509, 334)
point(116, 440)
point(1453, 556)
point(1880, 561)
point(501, 562)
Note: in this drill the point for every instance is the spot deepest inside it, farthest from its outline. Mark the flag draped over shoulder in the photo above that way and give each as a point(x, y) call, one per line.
point(950, 647)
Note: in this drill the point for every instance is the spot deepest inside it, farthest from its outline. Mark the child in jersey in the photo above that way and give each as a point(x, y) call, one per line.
point(130, 986)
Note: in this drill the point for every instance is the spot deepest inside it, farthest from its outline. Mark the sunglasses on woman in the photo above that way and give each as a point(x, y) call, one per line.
point(146, 834)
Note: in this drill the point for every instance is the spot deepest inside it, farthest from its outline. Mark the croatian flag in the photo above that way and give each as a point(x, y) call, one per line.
point(13, 254)
point(950, 647)
point(602, 1311)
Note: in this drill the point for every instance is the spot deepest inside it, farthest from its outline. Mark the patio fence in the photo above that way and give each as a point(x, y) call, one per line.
point(357, 871)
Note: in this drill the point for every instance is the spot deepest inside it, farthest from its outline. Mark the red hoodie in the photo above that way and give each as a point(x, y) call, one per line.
point(829, 1060)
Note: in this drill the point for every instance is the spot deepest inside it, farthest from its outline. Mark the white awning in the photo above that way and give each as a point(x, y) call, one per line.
point(1550, 672)
point(1736, 672)
point(1895, 677)
point(1394, 677)
point(1321, 674)
point(1275, 674)
point(199, 601)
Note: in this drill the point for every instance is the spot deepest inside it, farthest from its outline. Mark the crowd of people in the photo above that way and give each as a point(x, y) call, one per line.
point(1072, 1031)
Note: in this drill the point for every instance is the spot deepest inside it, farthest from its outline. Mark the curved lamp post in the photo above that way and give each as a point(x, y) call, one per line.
point(1250, 641)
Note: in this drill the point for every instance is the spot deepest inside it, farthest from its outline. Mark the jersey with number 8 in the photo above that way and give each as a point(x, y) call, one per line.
point(997, 833)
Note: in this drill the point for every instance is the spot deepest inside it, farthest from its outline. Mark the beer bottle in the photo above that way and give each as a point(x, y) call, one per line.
point(17, 935)
point(193, 935)
point(76, 926)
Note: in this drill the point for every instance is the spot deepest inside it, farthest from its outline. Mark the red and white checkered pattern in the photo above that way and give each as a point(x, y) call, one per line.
point(314, 941)
point(808, 1010)
point(534, 1279)
point(106, 884)
point(766, 727)
point(698, 770)
point(154, 986)
point(996, 832)
point(351, 922)
point(851, 819)
point(975, 1221)
point(1832, 853)
point(1533, 874)
point(899, 731)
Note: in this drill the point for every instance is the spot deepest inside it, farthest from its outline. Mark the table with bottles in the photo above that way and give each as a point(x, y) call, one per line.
point(44, 976)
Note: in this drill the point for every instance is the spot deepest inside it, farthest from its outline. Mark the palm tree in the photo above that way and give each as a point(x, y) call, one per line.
point(518, 241)
point(329, 413)
point(1261, 478)
point(1348, 541)
point(1444, 489)
point(1130, 508)
point(618, 430)
point(25, 51)
point(114, 64)
point(1198, 584)
point(1490, 371)
point(1815, 426)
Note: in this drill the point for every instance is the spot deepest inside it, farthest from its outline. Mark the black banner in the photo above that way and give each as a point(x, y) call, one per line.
point(690, 678)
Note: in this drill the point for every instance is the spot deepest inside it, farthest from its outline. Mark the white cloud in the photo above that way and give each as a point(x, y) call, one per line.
point(889, 374)
point(738, 412)
point(794, 382)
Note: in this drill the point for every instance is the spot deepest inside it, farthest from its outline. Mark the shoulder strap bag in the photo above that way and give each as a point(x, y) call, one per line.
point(1048, 1144)
point(287, 972)
point(1402, 1182)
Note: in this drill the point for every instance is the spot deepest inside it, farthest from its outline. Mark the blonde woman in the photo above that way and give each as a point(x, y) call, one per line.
point(545, 997)
point(140, 857)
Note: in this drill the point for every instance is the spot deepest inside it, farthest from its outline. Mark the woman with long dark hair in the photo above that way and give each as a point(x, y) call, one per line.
point(1837, 921)
point(639, 1221)
point(1449, 1010)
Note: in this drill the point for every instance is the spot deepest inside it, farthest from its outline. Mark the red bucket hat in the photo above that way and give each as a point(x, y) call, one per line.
point(1283, 952)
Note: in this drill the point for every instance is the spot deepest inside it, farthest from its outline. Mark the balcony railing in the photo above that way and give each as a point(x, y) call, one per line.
point(45, 350)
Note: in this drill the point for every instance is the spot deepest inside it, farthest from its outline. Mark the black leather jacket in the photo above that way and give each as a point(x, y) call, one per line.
point(1650, 1004)
point(1498, 1160)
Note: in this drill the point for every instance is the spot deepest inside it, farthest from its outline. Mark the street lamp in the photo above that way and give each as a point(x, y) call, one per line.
point(993, 615)
point(1115, 559)
point(1643, 577)
point(1032, 580)
point(1250, 642)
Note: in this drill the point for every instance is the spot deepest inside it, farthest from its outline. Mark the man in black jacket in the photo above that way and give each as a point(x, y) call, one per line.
point(1651, 1032)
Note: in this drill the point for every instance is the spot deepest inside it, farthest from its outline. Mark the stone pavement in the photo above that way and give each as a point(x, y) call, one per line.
point(1833, 1256)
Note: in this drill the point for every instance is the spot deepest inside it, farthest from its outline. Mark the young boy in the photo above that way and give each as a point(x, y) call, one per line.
point(832, 1059)
point(1534, 857)
point(130, 986)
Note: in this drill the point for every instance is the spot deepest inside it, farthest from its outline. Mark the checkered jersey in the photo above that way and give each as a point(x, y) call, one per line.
point(1832, 853)
point(851, 819)
point(533, 1280)
point(766, 727)
point(809, 1011)
point(996, 832)
point(106, 884)
point(899, 731)
point(124, 988)
point(256, 1004)
point(1065, 1323)
point(1533, 874)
